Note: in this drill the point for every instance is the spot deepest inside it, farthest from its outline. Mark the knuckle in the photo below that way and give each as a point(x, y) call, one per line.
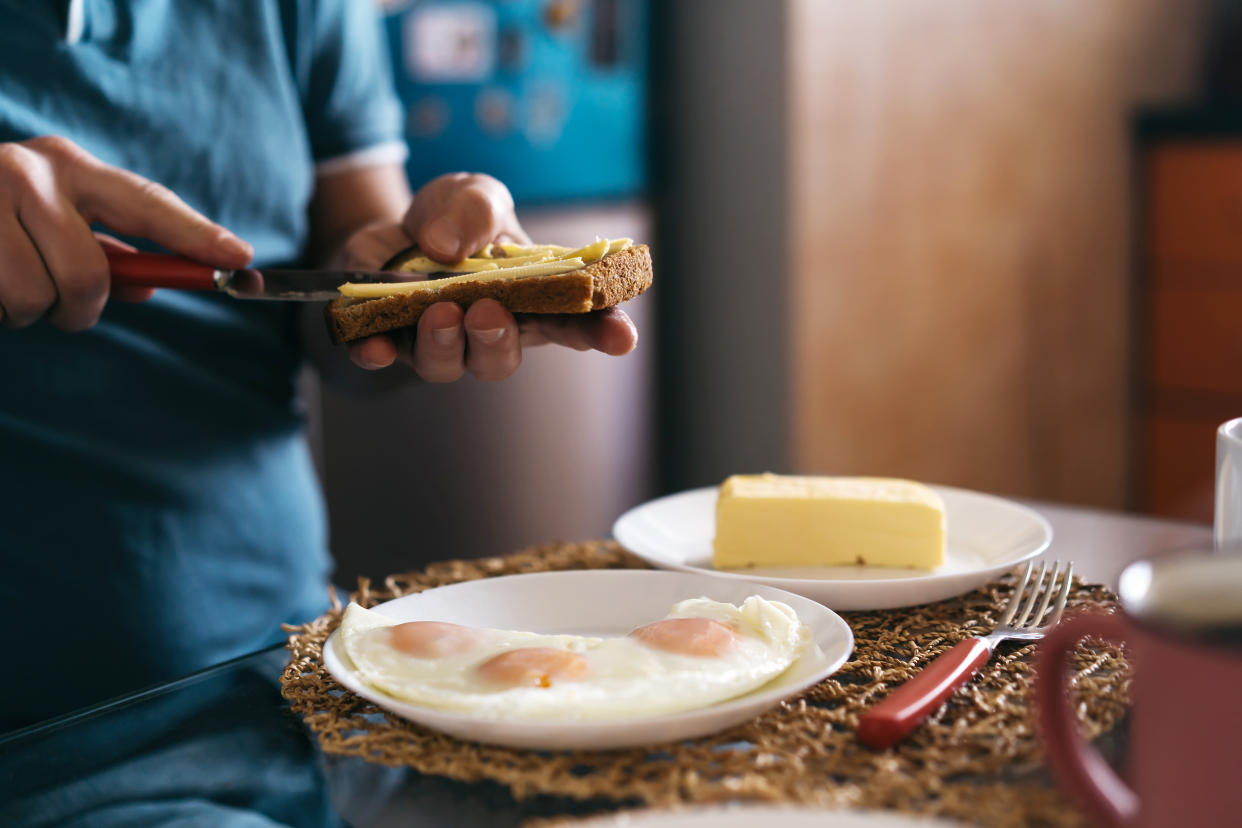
point(26, 308)
point(442, 186)
point(511, 363)
point(360, 252)
point(501, 367)
point(483, 181)
point(474, 201)
point(494, 188)
point(437, 361)
point(79, 320)
point(13, 154)
point(17, 163)
point(154, 191)
point(90, 290)
point(490, 374)
point(431, 372)
point(57, 148)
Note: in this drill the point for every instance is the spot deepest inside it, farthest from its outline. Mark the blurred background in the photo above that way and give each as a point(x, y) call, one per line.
point(990, 245)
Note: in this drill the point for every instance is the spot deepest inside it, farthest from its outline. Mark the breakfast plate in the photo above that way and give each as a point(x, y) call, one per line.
point(986, 536)
point(596, 603)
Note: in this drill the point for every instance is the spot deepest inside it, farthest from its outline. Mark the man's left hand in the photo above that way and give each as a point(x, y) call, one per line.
point(450, 218)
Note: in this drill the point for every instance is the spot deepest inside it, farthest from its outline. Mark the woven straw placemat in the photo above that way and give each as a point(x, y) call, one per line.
point(976, 759)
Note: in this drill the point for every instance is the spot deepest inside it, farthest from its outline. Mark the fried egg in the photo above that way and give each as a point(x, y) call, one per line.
point(702, 653)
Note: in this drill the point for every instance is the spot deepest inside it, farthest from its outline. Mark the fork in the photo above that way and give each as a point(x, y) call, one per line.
point(888, 722)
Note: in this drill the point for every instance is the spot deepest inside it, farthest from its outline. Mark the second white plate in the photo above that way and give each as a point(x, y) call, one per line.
point(987, 535)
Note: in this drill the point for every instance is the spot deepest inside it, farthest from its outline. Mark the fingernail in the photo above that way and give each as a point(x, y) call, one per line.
point(366, 363)
point(488, 336)
point(230, 245)
point(444, 237)
point(445, 336)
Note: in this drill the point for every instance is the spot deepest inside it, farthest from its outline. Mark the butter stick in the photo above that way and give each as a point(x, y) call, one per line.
point(790, 521)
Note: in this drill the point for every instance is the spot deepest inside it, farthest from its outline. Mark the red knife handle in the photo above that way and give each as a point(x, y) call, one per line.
point(158, 270)
point(900, 712)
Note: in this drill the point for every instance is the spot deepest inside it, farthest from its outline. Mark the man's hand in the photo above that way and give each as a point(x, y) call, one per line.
point(52, 265)
point(450, 218)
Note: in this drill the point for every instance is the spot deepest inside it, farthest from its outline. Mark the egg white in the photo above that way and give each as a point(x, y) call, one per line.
point(626, 678)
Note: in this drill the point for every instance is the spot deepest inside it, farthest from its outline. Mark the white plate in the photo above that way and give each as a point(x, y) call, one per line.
point(748, 816)
point(987, 536)
point(597, 602)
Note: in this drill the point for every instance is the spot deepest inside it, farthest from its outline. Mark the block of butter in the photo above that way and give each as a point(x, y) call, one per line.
point(788, 521)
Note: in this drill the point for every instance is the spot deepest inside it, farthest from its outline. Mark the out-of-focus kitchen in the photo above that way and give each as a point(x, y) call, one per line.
point(984, 245)
point(918, 500)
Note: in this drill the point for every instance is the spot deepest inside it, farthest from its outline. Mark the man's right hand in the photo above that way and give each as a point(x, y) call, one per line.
point(52, 265)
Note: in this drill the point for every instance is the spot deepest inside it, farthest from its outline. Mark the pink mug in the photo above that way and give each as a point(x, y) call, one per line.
point(1182, 627)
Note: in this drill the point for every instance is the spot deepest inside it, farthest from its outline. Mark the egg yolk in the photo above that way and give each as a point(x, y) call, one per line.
point(534, 667)
point(432, 639)
point(688, 636)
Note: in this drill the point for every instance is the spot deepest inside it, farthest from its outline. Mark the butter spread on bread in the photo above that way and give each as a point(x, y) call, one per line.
point(523, 278)
point(790, 521)
point(517, 262)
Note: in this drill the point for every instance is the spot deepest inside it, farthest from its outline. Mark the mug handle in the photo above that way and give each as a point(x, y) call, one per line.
point(1078, 765)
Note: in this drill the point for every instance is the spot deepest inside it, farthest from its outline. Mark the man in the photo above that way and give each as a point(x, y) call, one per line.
point(155, 487)
point(158, 508)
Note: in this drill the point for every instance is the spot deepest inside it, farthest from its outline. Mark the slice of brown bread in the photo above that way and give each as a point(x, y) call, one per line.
point(601, 284)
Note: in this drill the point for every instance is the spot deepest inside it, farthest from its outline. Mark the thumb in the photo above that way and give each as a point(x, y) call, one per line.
point(472, 215)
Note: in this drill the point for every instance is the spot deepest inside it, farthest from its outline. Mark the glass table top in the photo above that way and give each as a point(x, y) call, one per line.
point(221, 747)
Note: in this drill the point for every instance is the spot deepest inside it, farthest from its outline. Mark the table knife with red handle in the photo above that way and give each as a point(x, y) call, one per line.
point(158, 270)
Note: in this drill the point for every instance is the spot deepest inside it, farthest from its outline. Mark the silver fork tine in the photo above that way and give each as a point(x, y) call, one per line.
point(1015, 600)
point(1062, 596)
point(1048, 593)
point(1030, 601)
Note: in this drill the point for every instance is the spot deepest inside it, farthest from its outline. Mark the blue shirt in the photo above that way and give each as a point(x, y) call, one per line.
point(159, 510)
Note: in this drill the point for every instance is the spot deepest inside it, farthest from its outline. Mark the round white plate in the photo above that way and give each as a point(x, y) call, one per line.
point(748, 816)
point(597, 602)
point(987, 536)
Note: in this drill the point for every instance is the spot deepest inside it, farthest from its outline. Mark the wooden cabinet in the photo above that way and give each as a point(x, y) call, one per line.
point(1188, 355)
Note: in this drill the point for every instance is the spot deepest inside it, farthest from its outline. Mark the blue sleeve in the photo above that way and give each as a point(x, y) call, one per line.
point(350, 103)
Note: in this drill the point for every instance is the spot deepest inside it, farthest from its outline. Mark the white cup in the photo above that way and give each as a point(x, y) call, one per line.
point(1228, 511)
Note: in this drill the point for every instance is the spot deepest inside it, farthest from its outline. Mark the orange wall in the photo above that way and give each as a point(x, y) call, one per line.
point(959, 237)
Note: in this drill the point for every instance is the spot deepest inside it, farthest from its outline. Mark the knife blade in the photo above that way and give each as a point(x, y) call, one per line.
point(159, 270)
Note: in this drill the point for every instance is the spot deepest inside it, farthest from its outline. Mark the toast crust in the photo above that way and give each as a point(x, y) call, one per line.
point(601, 284)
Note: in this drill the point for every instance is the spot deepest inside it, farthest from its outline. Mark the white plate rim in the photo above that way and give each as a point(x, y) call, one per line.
point(529, 732)
point(622, 534)
point(746, 814)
